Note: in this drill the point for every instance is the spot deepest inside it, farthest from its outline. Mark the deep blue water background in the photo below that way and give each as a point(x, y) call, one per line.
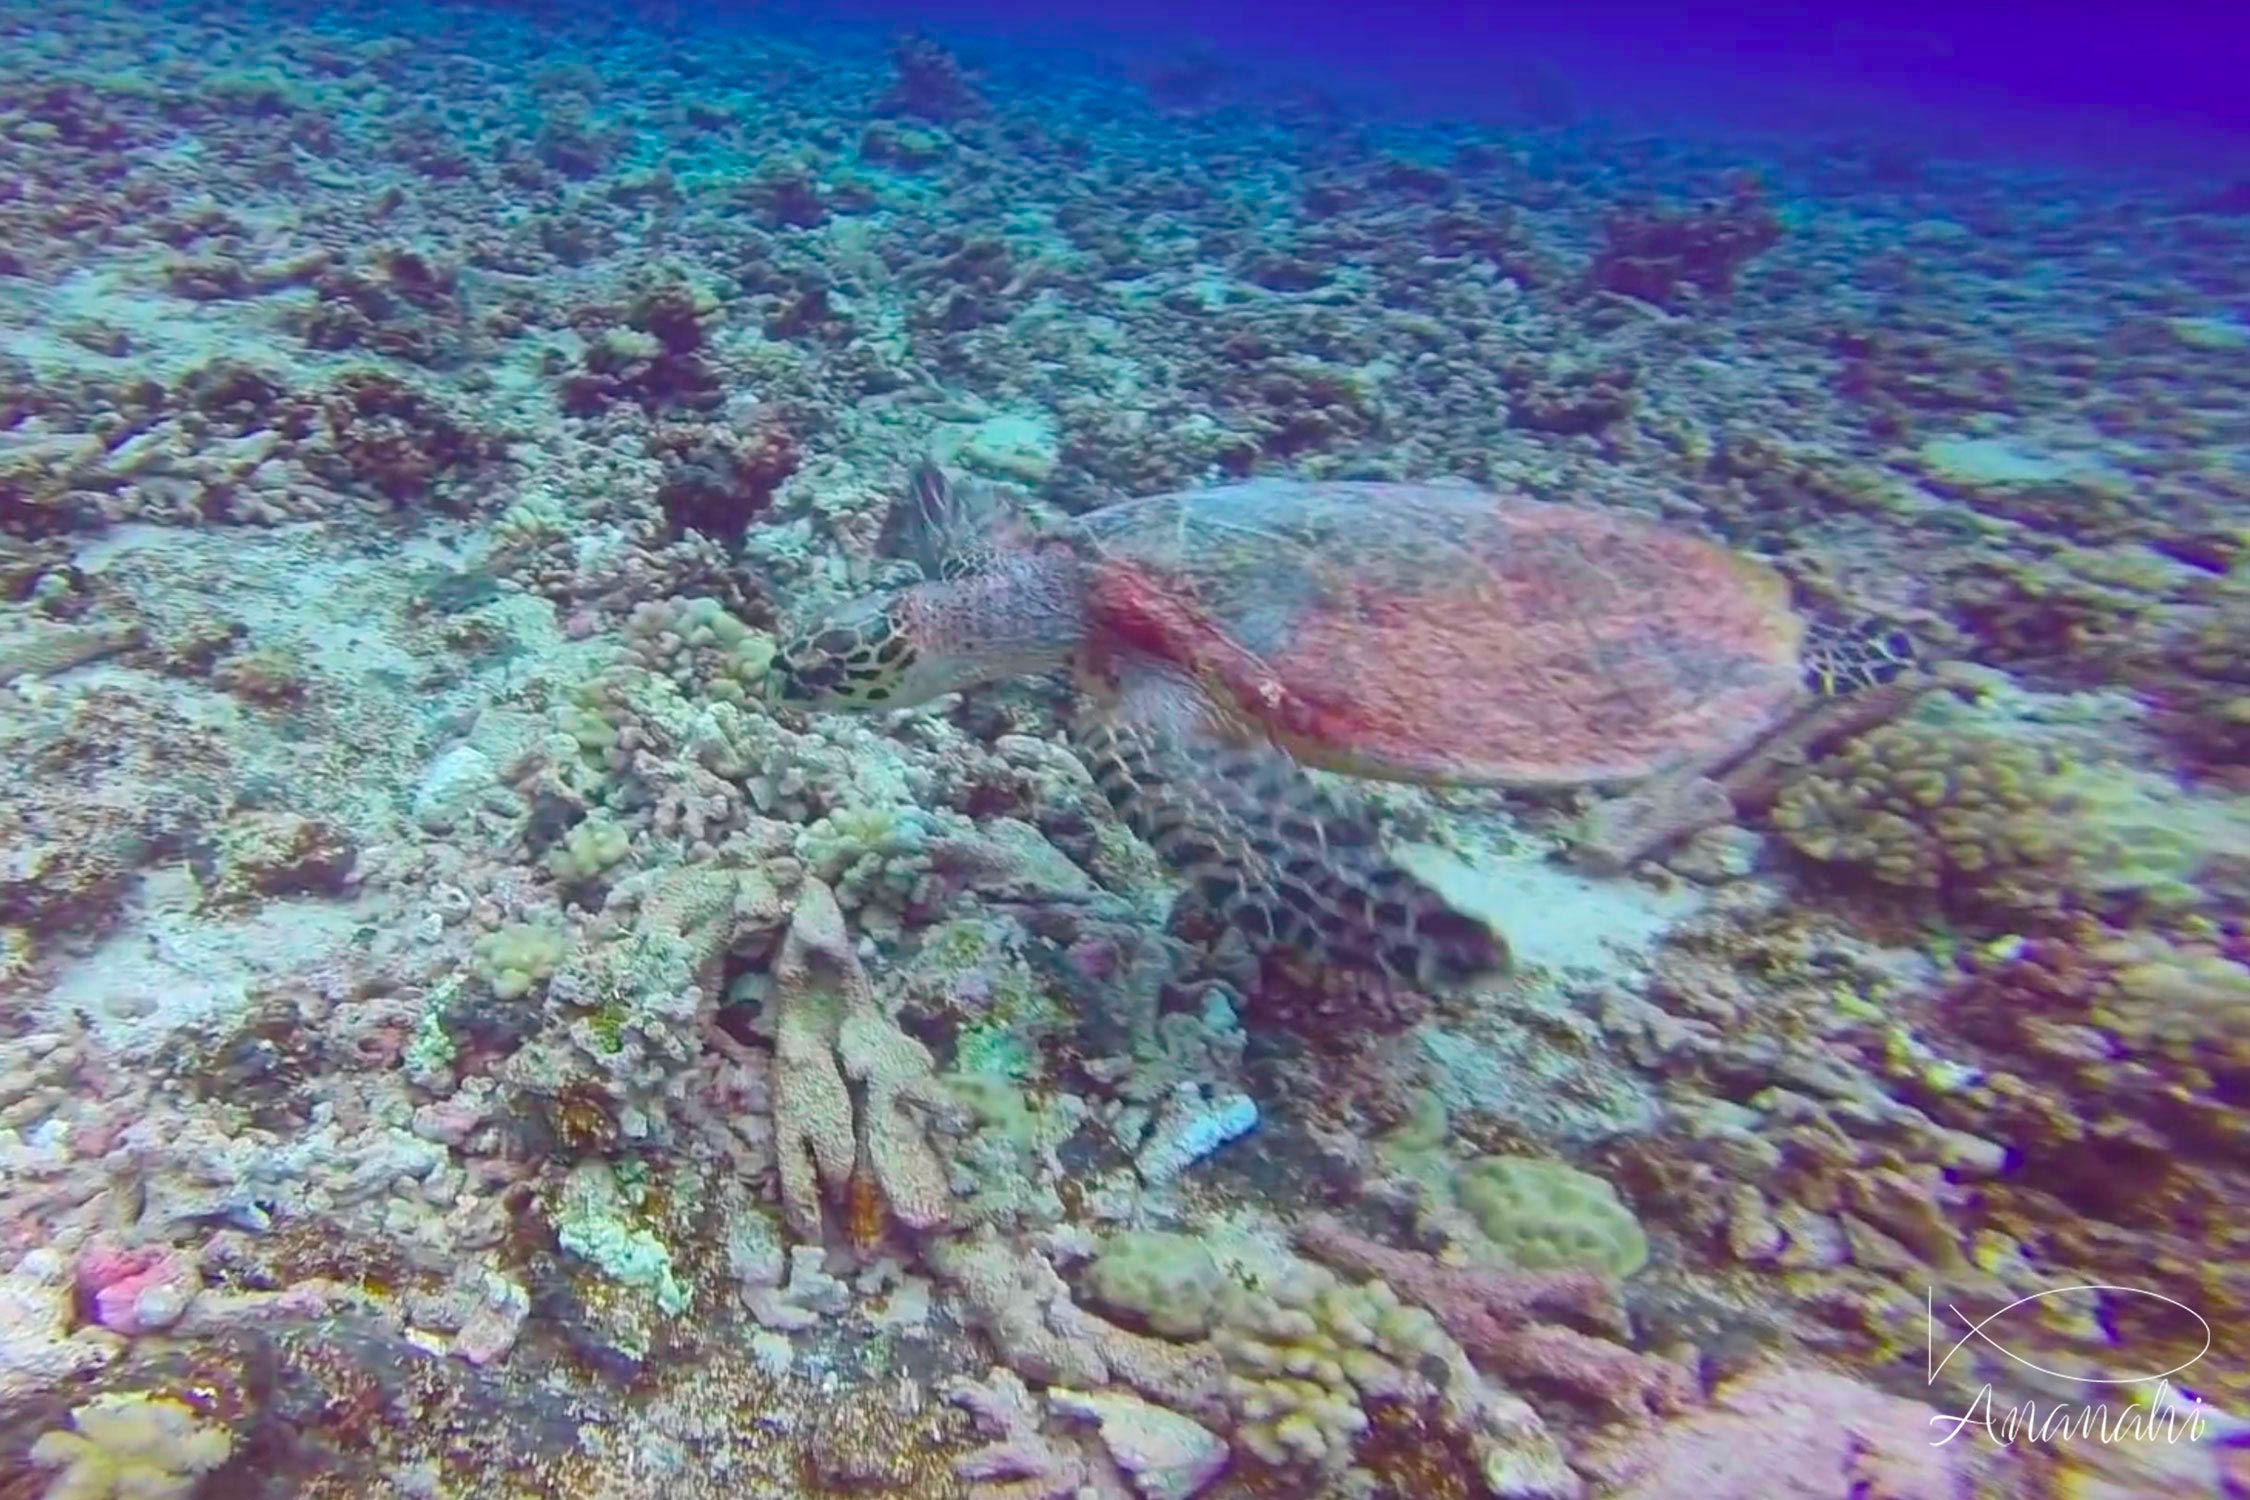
point(2137, 89)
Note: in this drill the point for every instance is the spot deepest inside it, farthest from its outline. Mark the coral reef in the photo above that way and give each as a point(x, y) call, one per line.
point(459, 1036)
point(1495, 1316)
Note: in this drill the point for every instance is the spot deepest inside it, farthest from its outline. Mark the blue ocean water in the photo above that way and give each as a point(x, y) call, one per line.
point(1192, 750)
point(2129, 88)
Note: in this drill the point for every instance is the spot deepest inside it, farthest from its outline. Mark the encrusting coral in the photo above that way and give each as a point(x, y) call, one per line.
point(1547, 1215)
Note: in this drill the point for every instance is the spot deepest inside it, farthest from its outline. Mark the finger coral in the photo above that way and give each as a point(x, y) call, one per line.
point(135, 1447)
point(1308, 1355)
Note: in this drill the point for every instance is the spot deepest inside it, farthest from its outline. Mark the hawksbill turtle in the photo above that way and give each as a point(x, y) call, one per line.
point(1222, 639)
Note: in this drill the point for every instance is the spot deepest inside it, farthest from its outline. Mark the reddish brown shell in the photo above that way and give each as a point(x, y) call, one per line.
point(1431, 633)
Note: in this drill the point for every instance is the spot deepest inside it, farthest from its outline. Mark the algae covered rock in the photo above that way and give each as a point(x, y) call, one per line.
point(1546, 1216)
point(1170, 1282)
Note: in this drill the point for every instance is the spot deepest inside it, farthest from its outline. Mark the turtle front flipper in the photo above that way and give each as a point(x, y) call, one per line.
point(1268, 850)
point(952, 530)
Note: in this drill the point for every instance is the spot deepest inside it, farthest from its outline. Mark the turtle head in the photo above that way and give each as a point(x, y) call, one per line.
point(861, 654)
point(906, 647)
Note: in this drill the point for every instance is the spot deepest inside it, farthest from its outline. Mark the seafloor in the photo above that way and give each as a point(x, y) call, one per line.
point(457, 1040)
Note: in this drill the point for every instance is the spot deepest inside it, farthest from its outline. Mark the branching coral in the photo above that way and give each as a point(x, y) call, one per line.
point(1309, 1356)
point(1496, 1316)
point(517, 957)
point(705, 651)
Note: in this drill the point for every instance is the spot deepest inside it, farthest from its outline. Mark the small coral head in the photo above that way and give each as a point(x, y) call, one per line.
point(861, 654)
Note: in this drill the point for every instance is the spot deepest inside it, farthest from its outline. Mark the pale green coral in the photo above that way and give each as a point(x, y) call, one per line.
point(531, 522)
point(1300, 1350)
point(131, 1447)
point(872, 855)
point(517, 957)
point(594, 1221)
point(591, 847)
point(588, 727)
point(1546, 1215)
point(705, 651)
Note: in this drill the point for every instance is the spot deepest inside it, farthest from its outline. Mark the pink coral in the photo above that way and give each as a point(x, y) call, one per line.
point(1493, 1315)
point(1797, 1434)
point(138, 1290)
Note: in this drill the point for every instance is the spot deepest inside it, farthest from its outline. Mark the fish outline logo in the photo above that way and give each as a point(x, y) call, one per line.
point(1975, 1329)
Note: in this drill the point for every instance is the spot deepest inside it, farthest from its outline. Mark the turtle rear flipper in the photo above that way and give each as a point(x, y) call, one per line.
point(1268, 850)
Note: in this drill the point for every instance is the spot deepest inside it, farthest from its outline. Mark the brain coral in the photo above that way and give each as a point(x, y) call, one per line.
point(1546, 1216)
